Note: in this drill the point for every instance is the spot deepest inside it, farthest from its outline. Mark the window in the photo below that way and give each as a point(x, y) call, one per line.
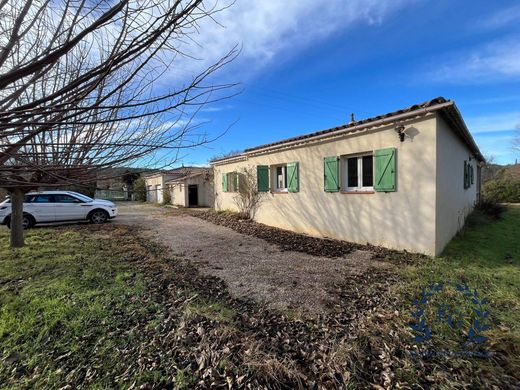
point(44, 199)
point(280, 180)
point(29, 198)
point(366, 172)
point(469, 175)
point(358, 173)
point(61, 198)
point(230, 182)
point(82, 197)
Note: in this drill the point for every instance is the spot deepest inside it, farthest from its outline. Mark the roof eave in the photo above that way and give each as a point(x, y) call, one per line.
point(454, 118)
point(232, 159)
point(447, 106)
point(345, 129)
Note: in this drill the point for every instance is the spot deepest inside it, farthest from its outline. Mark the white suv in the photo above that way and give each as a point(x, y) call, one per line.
point(59, 206)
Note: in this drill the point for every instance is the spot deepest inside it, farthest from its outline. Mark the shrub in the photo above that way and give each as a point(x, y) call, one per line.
point(503, 190)
point(490, 208)
point(248, 198)
point(140, 190)
point(167, 195)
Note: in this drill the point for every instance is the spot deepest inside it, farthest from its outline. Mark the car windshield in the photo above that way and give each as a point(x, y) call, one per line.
point(84, 198)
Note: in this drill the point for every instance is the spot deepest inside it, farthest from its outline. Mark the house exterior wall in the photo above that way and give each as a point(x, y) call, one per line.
point(155, 186)
point(179, 191)
point(404, 219)
point(205, 190)
point(453, 200)
point(151, 183)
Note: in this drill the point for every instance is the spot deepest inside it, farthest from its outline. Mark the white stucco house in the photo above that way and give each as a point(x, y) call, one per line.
point(404, 180)
point(184, 186)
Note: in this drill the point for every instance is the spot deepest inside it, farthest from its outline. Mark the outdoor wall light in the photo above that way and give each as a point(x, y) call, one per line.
point(400, 132)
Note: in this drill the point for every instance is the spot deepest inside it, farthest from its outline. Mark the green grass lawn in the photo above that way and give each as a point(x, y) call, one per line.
point(486, 258)
point(96, 307)
point(60, 296)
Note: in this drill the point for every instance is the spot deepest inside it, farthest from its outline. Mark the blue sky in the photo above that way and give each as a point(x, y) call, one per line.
point(307, 64)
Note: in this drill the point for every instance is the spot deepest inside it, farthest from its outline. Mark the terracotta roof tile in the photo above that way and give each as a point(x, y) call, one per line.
point(186, 174)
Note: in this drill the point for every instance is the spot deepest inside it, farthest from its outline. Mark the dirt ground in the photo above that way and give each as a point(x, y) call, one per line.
point(252, 267)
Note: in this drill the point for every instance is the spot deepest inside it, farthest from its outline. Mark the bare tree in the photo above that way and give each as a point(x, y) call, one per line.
point(248, 198)
point(129, 178)
point(221, 156)
point(516, 140)
point(78, 89)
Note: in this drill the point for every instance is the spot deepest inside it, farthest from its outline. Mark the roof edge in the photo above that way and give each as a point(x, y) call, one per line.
point(455, 119)
point(452, 114)
point(339, 130)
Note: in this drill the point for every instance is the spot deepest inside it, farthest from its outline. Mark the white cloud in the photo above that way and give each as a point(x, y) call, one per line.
point(501, 18)
point(495, 122)
point(498, 60)
point(217, 108)
point(272, 31)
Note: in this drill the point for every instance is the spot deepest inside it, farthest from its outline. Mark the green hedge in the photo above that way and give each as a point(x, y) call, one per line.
point(505, 190)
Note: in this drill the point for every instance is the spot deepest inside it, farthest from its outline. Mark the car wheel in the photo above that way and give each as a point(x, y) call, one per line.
point(99, 216)
point(27, 222)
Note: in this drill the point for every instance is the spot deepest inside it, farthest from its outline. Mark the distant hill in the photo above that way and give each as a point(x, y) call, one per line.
point(500, 172)
point(112, 177)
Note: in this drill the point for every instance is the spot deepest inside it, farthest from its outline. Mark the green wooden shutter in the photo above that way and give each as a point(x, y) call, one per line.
point(472, 175)
point(331, 173)
point(224, 182)
point(293, 180)
point(237, 182)
point(385, 170)
point(262, 178)
point(466, 176)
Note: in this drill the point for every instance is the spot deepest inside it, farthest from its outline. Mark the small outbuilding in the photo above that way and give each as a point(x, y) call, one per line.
point(404, 180)
point(184, 186)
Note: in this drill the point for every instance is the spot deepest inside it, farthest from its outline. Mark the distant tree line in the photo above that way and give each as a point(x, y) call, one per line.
point(501, 183)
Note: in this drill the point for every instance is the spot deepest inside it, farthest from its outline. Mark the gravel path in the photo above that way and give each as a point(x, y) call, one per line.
point(250, 266)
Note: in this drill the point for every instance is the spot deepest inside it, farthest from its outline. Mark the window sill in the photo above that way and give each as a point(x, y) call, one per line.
point(279, 192)
point(358, 192)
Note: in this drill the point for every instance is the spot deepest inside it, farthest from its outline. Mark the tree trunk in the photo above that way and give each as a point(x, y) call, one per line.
point(17, 238)
point(129, 191)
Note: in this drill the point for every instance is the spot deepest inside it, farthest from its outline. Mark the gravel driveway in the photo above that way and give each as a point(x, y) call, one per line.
point(251, 267)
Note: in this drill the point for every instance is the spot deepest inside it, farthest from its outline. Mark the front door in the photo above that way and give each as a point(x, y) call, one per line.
point(193, 195)
point(69, 208)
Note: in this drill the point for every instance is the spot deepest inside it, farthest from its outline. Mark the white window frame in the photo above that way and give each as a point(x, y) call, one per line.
point(284, 178)
point(344, 171)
